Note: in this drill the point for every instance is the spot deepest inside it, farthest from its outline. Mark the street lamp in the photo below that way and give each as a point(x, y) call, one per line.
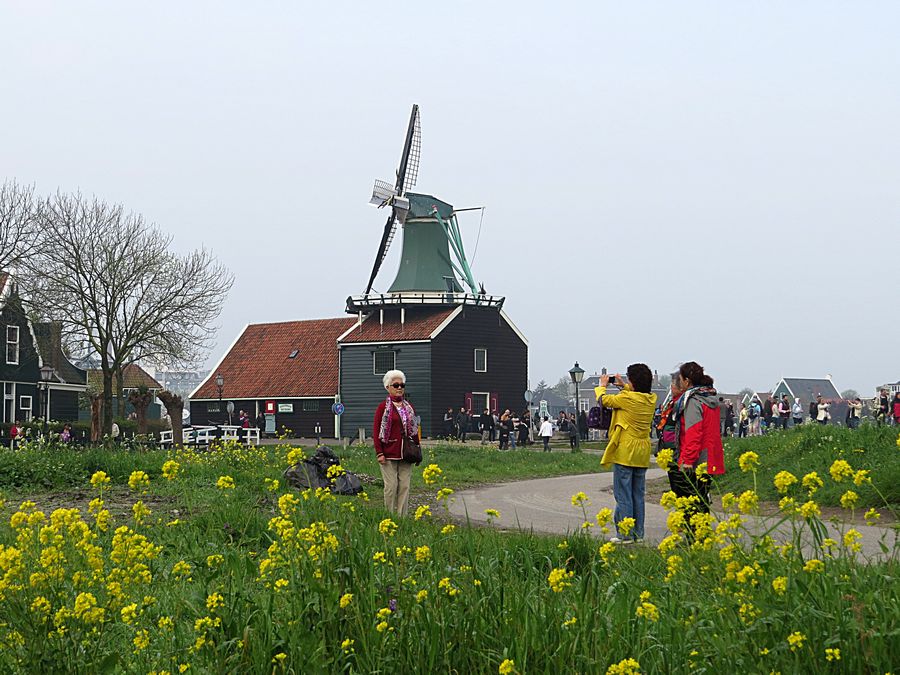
point(46, 375)
point(220, 386)
point(577, 374)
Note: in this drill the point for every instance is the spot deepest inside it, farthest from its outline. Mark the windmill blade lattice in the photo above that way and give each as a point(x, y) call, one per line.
point(415, 154)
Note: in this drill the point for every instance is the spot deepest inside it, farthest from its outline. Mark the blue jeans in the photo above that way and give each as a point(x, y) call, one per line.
point(628, 489)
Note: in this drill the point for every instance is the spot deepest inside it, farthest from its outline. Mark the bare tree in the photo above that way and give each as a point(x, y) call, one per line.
point(174, 408)
point(18, 228)
point(140, 399)
point(113, 282)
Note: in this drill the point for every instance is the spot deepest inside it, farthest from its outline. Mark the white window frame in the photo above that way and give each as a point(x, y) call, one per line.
point(26, 409)
point(9, 394)
point(481, 349)
point(10, 343)
point(375, 354)
point(476, 410)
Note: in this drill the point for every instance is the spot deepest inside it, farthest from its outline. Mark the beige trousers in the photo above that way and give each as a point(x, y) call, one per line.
point(396, 475)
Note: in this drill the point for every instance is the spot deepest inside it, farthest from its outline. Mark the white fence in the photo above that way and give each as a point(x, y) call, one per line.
point(204, 436)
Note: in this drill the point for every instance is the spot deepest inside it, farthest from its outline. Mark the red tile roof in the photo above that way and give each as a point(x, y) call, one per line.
point(259, 363)
point(419, 324)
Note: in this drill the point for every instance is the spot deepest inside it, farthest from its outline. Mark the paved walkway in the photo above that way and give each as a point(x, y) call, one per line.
point(545, 505)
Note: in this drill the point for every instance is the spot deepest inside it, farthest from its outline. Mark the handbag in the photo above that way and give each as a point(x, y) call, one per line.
point(411, 450)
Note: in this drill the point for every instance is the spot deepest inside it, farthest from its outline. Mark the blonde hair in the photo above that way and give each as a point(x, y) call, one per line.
point(392, 375)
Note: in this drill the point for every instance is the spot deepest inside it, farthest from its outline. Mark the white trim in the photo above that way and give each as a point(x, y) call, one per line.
point(351, 329)
point(18, 344)
point(60, 386)
point(480, 393)
point(446, 322)
point(212, 372)
point(37, 347)
point(475, 359)
point(261, 398)
point(30, 409)
point(786, 386)
point(513, 326)
point(385, 342)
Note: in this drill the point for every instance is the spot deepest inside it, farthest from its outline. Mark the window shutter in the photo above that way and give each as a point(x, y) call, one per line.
point(469, 400)
point(494, 399)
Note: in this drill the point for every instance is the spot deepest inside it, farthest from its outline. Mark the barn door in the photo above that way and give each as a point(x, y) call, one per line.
point(495, 397)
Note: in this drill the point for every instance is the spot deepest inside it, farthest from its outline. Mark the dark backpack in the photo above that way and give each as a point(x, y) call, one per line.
point(594, 415)
point(347, 484)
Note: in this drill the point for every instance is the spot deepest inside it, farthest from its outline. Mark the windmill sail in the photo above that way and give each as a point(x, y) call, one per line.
point(407, 175)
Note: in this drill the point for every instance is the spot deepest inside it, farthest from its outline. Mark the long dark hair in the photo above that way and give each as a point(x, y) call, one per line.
point(693, 371)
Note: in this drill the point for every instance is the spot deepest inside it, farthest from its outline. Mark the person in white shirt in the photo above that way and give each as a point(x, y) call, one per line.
point(797, 412)
point(546, 433)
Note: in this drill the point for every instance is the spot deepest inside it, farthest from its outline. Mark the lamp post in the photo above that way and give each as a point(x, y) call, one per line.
point(220, 386)
point(46, 376)
point(577, 374)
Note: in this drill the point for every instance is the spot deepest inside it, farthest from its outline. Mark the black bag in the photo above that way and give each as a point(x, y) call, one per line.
point(306, 475)
point(347, 484)
point(411, 450)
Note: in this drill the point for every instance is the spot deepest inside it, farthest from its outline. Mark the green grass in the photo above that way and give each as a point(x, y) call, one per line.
point(815, 448)
point(496, 603)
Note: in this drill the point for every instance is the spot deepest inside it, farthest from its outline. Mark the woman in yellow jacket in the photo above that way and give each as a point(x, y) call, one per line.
point(629, 444)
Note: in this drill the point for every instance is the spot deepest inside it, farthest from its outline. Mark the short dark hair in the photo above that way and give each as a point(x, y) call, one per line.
point(641, 377)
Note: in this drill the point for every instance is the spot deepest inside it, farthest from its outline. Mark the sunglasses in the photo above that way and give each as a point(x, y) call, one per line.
point(398, 385)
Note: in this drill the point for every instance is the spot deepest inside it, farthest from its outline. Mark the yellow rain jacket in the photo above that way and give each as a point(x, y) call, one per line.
point(629, 432)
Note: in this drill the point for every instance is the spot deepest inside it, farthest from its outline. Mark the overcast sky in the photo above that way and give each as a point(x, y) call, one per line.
point(712, 181)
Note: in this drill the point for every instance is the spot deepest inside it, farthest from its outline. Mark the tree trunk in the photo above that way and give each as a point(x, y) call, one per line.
point(174, 407)
point(106, 403)
point(140, 400)
point(120, 398)
point(97, 417)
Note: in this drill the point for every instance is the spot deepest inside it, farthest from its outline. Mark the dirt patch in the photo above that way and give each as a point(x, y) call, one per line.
point(118, 501)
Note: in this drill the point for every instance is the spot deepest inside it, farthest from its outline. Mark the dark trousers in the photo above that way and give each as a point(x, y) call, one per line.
point(546, 443)
point(687, 485)
point(573, 442)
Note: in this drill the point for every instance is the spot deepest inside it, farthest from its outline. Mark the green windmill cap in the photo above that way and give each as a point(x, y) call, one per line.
point(422, 206)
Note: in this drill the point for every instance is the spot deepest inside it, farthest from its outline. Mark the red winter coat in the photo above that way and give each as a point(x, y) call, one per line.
point(699, 432)
point(897, 411)
point(392, 448)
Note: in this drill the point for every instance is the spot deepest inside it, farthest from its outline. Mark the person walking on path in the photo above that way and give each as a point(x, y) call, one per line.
point(524, 428)
point(583, 425)
point(629, 446)
point(574, 434)
point(486, 427)
point(755, 414)
point(797, 412)
point(883, 411)
point(697, 438)
point(505, 423)
point(743, 421)
point(784, 411)
point(462, 424)
point(546, 433)
point(822, 414)
point(854, 414)
point(395, 419)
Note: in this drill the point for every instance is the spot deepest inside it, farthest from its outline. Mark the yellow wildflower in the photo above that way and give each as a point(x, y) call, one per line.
point(749, 461)
point(560, 579)
point(347, 645)
point(783, 480)
point(861, 477)
point(214, 601)
point(448, 529)
point(872, 516)
point(812, 482)
point(225, 483)
point(832, 654)
point(748, 502)
point(625, 526)
point(423, 554)
point(814, 566)
point(431, 474)
point(345, 600)
point(810, 510)
point(100, 479)
point(214, 560)
point(647, 610)
point(664, 458)
point(508, 667)
point(840, 470)
point(423, 511)
point(849, 499)
point(387, 527)
point(852, 538)
point(421, 595)
point(795, 640)
point(625, 667)
point(492, 513)
point(580, 499)
point(138, 480)
point(779, 585)
point(170, 469)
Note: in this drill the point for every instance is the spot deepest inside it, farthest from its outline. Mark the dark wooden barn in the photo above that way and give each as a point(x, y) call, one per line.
point(466, 355)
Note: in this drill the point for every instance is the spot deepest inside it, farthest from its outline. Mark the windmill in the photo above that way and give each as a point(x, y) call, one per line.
point(432, 261)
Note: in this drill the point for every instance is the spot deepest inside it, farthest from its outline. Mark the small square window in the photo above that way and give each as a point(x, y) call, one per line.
point(25, 407)
point(481, 360)
point(311, 405)
point(212, 407)
point(384, 360)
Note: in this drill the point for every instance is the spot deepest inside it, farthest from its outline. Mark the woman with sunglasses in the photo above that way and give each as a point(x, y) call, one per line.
point(395, 419)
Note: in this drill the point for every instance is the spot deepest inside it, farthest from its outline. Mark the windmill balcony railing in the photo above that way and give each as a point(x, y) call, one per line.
point(361, 303)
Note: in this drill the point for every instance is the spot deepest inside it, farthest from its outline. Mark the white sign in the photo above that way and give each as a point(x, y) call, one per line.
point(286, 407)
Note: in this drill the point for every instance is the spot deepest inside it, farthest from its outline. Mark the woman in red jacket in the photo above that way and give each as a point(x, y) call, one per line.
point(394, 419)
point(698, 440)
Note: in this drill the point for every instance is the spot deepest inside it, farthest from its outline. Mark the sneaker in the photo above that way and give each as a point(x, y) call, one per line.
point(638, 540)
point(619, 540)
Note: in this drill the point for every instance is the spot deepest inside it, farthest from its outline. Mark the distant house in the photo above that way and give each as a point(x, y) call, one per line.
point(892, 388)
point(133, 378)
point(806, 389)
point(27, 348)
